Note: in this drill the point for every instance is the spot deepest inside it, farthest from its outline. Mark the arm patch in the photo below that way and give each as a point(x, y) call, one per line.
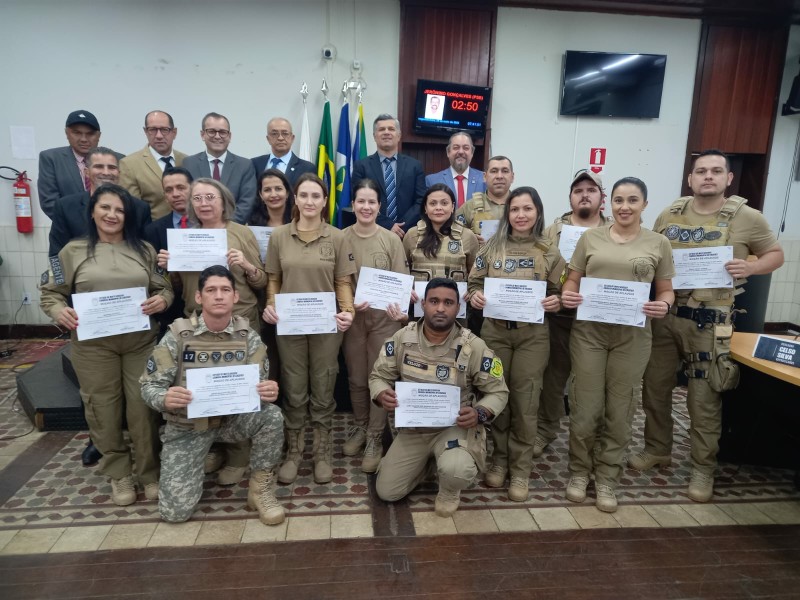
point(486, 364)
point(57, 269)
point(389, 347)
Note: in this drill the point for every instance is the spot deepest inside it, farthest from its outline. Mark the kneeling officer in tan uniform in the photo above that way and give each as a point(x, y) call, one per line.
point(214, 339)
point(438, 350)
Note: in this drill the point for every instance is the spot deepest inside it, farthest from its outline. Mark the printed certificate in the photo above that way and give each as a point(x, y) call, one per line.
point(613, 301)
point(381, 288)
point(570, 234)
point(488, 228)
point(262, 237)
point(514, 299)
point(419, 287)
point(196, 249)
point(306, 314)
point(218, 391)
point(426, 404)
point(702, 267)
point(101, 314)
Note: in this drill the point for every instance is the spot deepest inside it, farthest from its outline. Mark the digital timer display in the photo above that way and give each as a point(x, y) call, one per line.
point(442, 108)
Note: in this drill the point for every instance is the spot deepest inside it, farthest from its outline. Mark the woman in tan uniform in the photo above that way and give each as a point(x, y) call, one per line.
point(518, 251)
point(608, 360)
point(112, 257)
point(211, 206)
point(309, 256)
point(378, 248)
point(438, 246)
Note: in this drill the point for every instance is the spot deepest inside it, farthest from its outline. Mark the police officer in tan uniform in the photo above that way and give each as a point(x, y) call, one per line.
point(488, 206)
point(309, 256)
point(438, 350)
point(518, 251)
point(215, 338)
point(699, 327)
point(585, 201)
point(608, 359)
point(112, 257)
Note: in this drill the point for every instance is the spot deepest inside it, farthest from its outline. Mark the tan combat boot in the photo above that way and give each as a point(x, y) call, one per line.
point(447, 502)
point(356, 438)
point(373, 452)
point(261, 496)
point(323, 472)
point(295, 438)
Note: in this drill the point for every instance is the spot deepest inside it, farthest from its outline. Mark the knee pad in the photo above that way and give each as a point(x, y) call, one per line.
point(456, 468)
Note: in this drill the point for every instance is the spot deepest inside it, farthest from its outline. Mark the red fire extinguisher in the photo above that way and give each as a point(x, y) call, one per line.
point(22, 203)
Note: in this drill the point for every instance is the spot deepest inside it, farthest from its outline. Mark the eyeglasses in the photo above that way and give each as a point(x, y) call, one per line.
point(223, 133)
point(280, 134)
point(204, 198)
point(156, 130)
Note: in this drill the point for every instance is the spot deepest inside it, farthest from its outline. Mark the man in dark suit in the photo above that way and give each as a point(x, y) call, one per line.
point(400, 177)
point(234, 172)
point(177, 184)
point(62, 171)
point(280, 138)
point(70, 219)
point(463, 180)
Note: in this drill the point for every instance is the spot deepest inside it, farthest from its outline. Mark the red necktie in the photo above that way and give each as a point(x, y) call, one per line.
point(87, 183)
point(215, 174)
point(183, 222)
point(461, 198)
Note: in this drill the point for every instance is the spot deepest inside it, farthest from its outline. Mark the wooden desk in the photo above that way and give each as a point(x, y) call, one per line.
point(742, 345)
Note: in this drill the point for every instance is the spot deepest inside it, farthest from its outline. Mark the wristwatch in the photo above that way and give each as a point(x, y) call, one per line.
point(483, 415)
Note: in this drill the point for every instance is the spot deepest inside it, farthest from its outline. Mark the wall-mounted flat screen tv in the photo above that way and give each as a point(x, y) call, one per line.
point(605, 84)
point(442, 108)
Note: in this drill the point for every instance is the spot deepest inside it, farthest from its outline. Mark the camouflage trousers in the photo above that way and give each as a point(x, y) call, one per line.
point(184, 451)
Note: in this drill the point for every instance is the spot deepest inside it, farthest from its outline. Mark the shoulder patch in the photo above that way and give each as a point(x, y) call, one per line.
point(56, 268)
point(389, 347)
point(497, 368)
point(461, 219)
point(486, 364)
point(45, 278)
point(480, 263)
point(350, 257)
point(151, 365)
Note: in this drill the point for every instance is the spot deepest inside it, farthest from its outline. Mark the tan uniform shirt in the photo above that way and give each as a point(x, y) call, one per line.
point(644, 258)
point(382, 250)
point(239, 238)
point(469, 216)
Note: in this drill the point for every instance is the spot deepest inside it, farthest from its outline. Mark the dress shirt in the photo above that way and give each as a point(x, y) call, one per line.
point(158, 158)
point(221, 158)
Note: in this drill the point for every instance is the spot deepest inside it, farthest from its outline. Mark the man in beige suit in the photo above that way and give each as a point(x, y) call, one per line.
point(140, 172)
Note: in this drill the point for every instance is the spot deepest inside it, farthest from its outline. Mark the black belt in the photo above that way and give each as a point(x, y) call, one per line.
point(701, 316)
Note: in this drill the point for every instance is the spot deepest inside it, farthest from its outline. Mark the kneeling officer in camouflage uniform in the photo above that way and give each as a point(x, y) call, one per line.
point(213, 339)
point(438, 350)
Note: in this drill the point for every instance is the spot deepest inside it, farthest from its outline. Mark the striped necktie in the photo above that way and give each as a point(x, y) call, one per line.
point(391, 189)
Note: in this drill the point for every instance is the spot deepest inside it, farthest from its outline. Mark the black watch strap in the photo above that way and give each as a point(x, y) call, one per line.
point(483, 415)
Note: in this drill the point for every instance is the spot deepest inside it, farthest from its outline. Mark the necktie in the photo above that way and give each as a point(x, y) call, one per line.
point(167, 160)
point(87, 183)
point(391, 189)
point(275, 162)
point(461, 198)
point(183, 222)
point(215, 174)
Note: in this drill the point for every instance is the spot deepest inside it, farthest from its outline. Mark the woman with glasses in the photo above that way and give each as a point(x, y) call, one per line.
point(308, 256)
point(211, 206)
point(112, 257)
point(518, 252)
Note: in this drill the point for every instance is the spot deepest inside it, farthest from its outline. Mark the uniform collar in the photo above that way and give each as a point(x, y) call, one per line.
point(200, 326)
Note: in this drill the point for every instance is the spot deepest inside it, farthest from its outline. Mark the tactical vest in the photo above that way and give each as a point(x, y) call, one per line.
point(482, 211)
point(451, 260)
point(714, 232)
point(450, 369)
point(205, 350)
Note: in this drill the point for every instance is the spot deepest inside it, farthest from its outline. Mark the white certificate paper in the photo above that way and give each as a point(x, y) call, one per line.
point(101, 314)
point(613, 301)
point(570, 234)
point(196, 249)
point(488, 228)
point(419, 287)
point(220, 391)
point(306, 314)
point(262, 237)
point(514, 299)
point(702, 267)
point(381, 288)
point(426, 404)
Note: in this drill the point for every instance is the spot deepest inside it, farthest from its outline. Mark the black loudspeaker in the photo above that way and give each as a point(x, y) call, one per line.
point(792, 105)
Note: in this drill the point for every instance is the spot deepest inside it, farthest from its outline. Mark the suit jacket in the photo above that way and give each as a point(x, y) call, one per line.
point(475, 183)
point(238, 175)
point(156, 234)
point(70, 220)
point(296, 167)
point(58, 177)
point(141, 176)
point(410, 185)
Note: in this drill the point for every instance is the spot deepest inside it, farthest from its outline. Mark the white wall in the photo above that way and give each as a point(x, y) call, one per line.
point(547, 148)
point(120, 59)
point(784, 191)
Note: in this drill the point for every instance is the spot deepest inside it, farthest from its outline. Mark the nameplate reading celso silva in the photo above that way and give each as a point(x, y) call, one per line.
point(777, 350)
